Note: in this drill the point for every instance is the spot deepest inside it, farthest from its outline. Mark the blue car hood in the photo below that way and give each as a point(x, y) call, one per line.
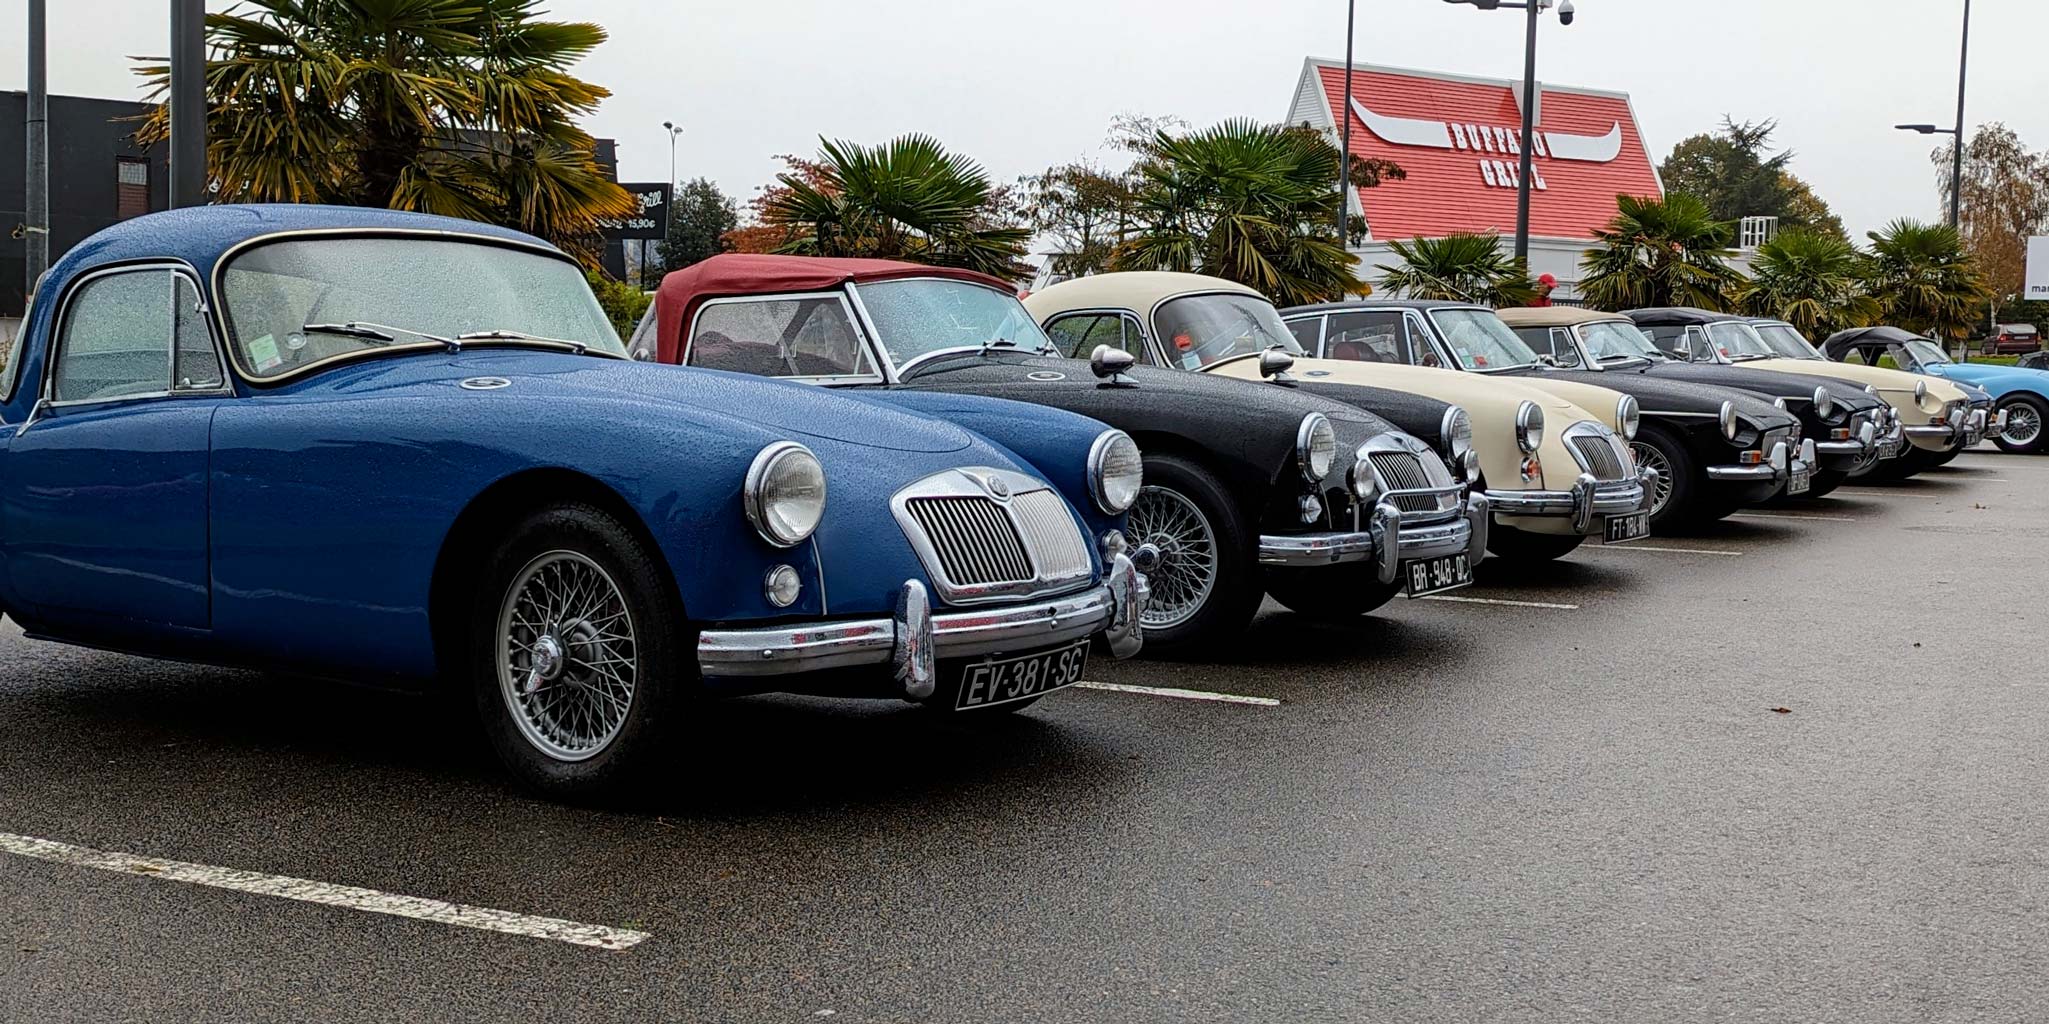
point(760, 402)
point(1995, 375)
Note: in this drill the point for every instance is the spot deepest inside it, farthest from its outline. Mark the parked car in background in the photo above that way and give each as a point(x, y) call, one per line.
point(2012, 339)
point(1552, 472)
point(1249, 488)
point(1715, 451)
point(1935, 416)
point(408, 449)
point(2020, 395)
point(1851, 430)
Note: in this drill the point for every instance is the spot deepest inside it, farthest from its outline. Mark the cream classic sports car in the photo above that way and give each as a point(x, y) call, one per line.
point(1553, 472)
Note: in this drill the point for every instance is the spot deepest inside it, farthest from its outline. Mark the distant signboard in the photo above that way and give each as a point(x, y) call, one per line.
point(2037, 287)
point(653, 197)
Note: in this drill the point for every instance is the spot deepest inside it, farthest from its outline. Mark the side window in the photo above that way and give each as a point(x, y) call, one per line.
point(1077, 336)
point(1670, 339)
point(1308, 332)
point(811, 336)
point(134, 333)
point(1561, 347)
point(1371, 337)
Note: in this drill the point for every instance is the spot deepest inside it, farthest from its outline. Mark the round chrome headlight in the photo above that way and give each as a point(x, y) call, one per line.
point(1316, 446)
point(1727, 418)
point(1920, 390)
point(1824, 405)
point(1629, 415)
point(1529, 426)
point(1365, 485)
point(784, 495)
point(1456, 432)
point(1116, 472)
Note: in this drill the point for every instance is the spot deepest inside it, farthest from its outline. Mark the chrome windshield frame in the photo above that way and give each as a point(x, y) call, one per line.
point(894, 372)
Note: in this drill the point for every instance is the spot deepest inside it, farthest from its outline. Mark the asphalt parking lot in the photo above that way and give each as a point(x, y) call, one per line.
point(1559, 797)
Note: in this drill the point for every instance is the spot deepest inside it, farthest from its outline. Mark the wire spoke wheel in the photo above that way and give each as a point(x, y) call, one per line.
point(1650, 456)
point(567, 661)
point(2023, 424)
point(1187, 573)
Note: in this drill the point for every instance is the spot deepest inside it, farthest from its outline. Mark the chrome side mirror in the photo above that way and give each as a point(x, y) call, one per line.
point(1274, 364)
point(1110, 365)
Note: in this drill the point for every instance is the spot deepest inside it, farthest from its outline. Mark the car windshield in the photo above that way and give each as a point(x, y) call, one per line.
point(292, 304)
point(1198, 330)
point(1481, 341)
point(1926, 353)
point(1612, 340)
point(919, 316)
point(1738, 342)
point(1787, 342)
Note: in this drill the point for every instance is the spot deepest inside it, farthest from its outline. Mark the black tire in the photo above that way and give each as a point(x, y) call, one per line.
point(1175, 485)
point(1825, 480)
point(1666, 452)
point(1333, 593)
point(569, 539)
point(2028, 405)
point(1511, 544)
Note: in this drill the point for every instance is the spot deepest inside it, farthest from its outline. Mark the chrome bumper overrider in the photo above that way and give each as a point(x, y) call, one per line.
point(1387, 541)
point(1587, 499)
point(914, 639)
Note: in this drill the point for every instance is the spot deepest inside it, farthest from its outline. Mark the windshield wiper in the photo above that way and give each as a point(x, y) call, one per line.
point(379, 332)
point(501, 334)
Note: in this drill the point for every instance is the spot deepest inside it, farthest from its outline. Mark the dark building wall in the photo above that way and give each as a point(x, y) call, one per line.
point(87, 136)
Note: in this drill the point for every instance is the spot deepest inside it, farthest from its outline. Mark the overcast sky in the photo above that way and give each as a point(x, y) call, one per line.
point(1022, 86)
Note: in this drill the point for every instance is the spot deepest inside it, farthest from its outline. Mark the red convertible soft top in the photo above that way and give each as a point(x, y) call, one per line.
point(754, 274)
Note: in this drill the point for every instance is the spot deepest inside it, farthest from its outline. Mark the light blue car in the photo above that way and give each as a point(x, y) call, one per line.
point(2020, 395)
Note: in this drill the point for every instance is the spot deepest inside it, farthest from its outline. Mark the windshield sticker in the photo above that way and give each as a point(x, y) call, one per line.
point(263, 352)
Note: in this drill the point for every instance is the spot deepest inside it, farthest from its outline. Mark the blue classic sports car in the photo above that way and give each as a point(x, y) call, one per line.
point(406, 449)
point(2020, 395)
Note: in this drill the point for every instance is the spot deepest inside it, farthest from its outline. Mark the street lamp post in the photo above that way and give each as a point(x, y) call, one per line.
point(669, 210)
point(1345, 133)
point(1532, 9)
point(1956, 134)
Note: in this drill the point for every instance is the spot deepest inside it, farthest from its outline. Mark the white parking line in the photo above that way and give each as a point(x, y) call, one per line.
point(1863, 493)
point(347, 897)
point(1168, 691)
point(1493, 600)
point(1785, 515)
point(1672, 551)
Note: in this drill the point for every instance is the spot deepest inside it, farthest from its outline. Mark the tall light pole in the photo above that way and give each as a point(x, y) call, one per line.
point(1956, 174)
point(1522, 182)
point(1345, 134)
point(188, 102)
point(669, 209)
point(36, 122)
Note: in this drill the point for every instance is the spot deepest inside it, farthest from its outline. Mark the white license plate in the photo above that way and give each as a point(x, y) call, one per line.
point(1623, 529)
point(1799, 482)
point(988, 683)
point(1433, 575)
point(1890, 448)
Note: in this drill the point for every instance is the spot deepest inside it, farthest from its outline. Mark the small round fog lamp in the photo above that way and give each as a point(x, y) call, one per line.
point(782, 587)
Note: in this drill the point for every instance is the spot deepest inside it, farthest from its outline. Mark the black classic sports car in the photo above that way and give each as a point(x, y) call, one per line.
point(1715, 450)
point(1851, 429)
point(1249, 488)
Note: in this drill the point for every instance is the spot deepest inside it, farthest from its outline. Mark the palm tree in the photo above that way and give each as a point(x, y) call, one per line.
point(1811, 280)
point(457, 107)
point(907, 199)
point(1456, 267)
point(1669, 252)
point(1923, 280)
point(1246, 201)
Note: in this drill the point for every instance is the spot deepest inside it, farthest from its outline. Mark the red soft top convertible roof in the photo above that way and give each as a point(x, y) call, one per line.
point(737, 273)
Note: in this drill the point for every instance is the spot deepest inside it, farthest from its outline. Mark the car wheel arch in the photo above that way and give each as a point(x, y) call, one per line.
point(1241, 478)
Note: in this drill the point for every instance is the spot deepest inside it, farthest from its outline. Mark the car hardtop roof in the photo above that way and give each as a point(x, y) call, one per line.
point(1843, 341)
point(1554, 316)
point(732, 274)
point(1682, 315)
point(1137, 290)
point(1423, 304)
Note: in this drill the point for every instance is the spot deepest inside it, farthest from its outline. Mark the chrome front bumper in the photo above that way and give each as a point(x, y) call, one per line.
point(1783, 462)
point(1386, 541)
point(913, 639)
point(1585, 502)
point(1855, 447)
point(1982, 422)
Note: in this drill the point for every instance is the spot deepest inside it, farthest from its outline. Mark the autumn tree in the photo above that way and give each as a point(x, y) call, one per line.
point(698, 225)
point(2006, 199)
point(1735, 173)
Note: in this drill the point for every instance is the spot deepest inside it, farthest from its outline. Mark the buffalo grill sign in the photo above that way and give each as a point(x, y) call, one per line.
point(649, 222)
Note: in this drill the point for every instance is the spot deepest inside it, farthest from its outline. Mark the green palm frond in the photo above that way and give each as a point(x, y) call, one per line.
point(1466, 267)
point(1660, 252)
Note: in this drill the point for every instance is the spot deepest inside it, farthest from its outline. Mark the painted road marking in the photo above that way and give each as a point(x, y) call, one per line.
point(1492, 600)
point(1784, 515)
point(1673, 551)
point(347, 897)
point(1168, 691)
point(1887, 494)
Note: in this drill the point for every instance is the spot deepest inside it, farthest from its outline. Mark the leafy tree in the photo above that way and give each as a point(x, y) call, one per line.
point(2006, 199)
point(697, 225)
point(457, 107)
point(1669, 252)
point(1467, 267)
point(623, 303)
point(1084, 211)
point(1249, 202)
point(1811, 280)
point(906, 199)
point(1736, 175)
point(1923, 280)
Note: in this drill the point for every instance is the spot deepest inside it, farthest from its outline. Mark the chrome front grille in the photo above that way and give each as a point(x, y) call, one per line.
point(990, 534)
point(974, 540)
point(1599, 457)
point(1403, 471)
